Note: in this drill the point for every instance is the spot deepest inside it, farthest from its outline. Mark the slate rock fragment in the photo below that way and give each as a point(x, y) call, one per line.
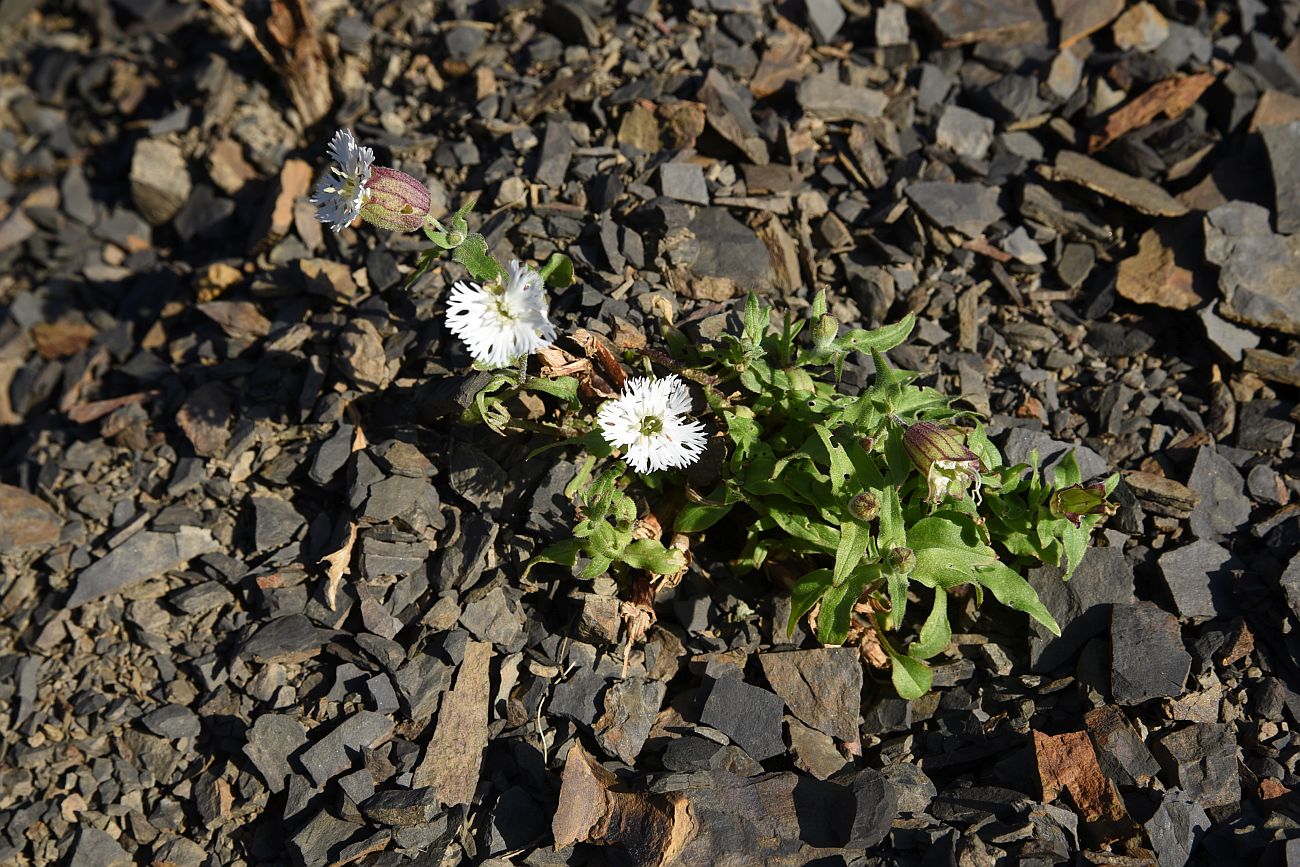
point(825, 18)
point(291, 638)
point(401, 808)
point(1224, 507)
point(1201, 759)
point(684, 182)
point(876, 806)
point(142, 556)
point(749, 715)
point(631, 707)
point(275, 522)
point(1200, 577)
point(728, 113)
point(1081, 606)
point(824, 96)
point(1257, 268)
point(1138, 193)
point(822, 687)
point(1282, 142)
point(1147, 657)
point(814, 751)
point(27, 523)
point(95, 848)
point(322, 839)
point(964, 132)
point(272, 738)
point(172, 721)
point(1176, 827)
point(998, 21)
point(516, 821)
point(968, 208)
point(331, 754)
point(496, 616)
point(160, 179)
point(454, 755)
point(730, 250)
point(1121, 753)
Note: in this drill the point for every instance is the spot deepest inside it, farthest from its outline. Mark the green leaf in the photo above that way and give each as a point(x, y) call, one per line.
point(563, 387)
point(697, 517)
point(421, 268)
point(833, 456)
point(1066, 472)
point(891, 532)
point(818, 308)
point(854, 537)
point(935, 632)
point(652, 556)
point(897, 582)
point(473, 254)
point(458, 223)
point(805, 594)
point(978, 441)
point(564, 553)
point(837, 612)
point(1015, 592)
point(801, 525)
point(558, 271)
point(756, 322)
point(912, 677)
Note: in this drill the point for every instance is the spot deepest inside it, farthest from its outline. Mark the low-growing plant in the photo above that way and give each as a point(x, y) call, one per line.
point(866, 498)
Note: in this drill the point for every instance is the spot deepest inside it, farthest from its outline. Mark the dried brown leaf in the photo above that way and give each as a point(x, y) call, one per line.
point(338, 564)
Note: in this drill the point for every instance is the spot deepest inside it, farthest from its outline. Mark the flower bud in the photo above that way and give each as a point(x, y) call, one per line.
point(395, 201)
point(940, 454)
point(824, 331)
point(902, 560)
point(1078, 500)
point(865, 506)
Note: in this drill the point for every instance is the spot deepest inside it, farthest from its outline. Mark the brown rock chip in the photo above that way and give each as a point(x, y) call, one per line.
point(26, 521)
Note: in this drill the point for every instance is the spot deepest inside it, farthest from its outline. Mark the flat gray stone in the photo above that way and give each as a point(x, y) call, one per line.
point(1259, 271)
point(1224, 507)
point(1147, 656)
point(964, 132)
point(332, 754)
point(1200, 577)
point(824, 96)
point(94, 848)
point(1282, 142)
point(965, 208)
point(144, 555)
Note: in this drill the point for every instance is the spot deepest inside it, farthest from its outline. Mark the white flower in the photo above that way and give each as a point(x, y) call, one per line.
point(341, 190)
point(648, 422)
point(499, 322)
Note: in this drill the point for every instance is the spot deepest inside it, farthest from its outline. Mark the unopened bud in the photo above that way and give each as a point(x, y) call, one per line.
point(1078, 500)
point(865, 506)
point(824, 331)
point(395, 201)
point(902, 560)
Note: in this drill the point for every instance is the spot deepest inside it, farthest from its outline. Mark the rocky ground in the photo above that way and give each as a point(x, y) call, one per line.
point(211, 410)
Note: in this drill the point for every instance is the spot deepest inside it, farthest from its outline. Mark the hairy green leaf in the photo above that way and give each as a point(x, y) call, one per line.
point(912, 677)
point(805, 594)
point(474, 255)
point(935, 632)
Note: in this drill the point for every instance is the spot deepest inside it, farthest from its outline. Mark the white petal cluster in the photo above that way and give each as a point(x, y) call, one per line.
point(648, 421)
point(341, 190)
point(499, 322)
